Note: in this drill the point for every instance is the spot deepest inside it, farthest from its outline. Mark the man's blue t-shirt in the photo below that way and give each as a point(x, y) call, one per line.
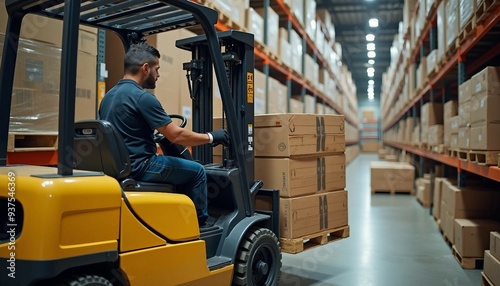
point(135, 113)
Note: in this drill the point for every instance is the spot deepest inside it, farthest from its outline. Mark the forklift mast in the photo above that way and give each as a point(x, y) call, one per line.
point(237, 52)
point(131, 20)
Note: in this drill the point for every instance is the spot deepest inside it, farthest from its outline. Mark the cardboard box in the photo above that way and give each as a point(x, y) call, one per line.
point(470, 202)
point(259, 92)
point(382, 153)
point(449, 229)
point(465, 92)
point(393, 176)
point(486, 81)
point(311, 214)
point(278, 94)
point(431, 61)
point(452, 13)
point(431, 114)
point(273, 22)
point(285, 52)
point(485, 136)
point(467, 8)
point(472, 236)
point(255, 24)
point(435, 135)
point(454, 124)
point(495, 244)
point(441, 30)
point(296, 106)
point(492, 268)
point(484, 109)
point(450, 109)
point(464, 111)
point(285, 135)
point(423, 193)
point(369, 146)
point(438, 187)
point(302, 176)
point(454, 141)
point(464, 134)
point(297, 51)
point(310, 104)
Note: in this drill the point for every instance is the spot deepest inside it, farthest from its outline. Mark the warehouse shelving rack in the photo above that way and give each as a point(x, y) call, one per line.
point(268, 63)
point(472, 53)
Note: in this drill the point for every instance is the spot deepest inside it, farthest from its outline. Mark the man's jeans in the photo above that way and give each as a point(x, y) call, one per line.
point(187, 176)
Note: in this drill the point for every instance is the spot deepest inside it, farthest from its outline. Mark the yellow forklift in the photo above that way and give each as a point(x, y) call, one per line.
point(86, 222)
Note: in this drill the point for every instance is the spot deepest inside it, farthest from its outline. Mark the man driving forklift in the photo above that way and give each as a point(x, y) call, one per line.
point(136, 114)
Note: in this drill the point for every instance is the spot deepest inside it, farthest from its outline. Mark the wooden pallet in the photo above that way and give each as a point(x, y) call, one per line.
point(467, 30)
point(296, 245)
point(485, 281)
point(18, 141)
point(441, 149)
point(463, 155)
point(223, 17)
point(484, 9)
point(447, 240)
point(452, 153)
point(484, 157)
point(467, 262)
point(393, 192)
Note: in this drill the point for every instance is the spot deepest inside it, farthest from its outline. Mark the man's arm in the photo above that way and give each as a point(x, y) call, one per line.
point(182, 136)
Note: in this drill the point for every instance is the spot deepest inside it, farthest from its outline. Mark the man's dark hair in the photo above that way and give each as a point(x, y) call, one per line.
point(139, 54)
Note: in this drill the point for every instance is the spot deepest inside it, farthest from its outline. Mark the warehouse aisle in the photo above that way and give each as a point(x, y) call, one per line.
point(393, 241)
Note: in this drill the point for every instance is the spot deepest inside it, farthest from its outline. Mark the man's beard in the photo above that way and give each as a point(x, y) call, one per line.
point(150, 82)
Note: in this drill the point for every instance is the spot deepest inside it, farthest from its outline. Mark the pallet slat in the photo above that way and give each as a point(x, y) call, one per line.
point(467, 262)
point(296, 245)
point(393, 192)
point(485, 281)
point(31, 141)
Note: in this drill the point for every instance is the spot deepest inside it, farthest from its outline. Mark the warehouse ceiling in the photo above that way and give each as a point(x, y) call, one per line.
point(350, 18)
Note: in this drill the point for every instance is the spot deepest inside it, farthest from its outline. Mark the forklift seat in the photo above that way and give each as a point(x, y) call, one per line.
point(99, 147)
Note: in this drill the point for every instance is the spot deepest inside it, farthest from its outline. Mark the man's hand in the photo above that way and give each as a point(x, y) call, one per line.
point(220, 137)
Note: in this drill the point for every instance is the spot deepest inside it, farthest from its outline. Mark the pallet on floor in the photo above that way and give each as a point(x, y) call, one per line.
point(296, 245)
point(468, 262)
point(484, 157)
point(393, 192)
point(19, 141)
point(485, 281)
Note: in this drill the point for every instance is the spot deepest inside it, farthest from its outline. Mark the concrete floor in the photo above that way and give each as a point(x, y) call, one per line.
point(393, 241)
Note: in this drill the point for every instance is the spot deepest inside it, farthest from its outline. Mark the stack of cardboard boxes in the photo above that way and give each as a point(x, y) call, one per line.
point(467, 215)
point(492, 260)
point(35, 99)
point(431, 123)
point(478, 120)
point(450, 111)
point(423, 193)
point(302, 156)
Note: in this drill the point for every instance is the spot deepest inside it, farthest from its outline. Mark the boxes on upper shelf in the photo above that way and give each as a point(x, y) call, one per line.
point(277, 96)
point(288, 135)
point(486, 81)
point(435, 135)
point(273, 22)
point(302, 176)
point(255, 24)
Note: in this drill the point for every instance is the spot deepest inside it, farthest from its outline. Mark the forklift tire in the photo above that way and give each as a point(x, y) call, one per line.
point(258, 261)
point(86, 280)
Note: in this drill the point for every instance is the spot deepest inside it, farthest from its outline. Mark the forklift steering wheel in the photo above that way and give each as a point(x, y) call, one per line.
point(170, 148)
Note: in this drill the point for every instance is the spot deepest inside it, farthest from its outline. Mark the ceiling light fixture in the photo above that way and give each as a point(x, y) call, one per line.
point(373, 22)
point(371, 54)
point(371, 82)
point(371, 62)
point(371, 75)
point(370, 37)
point(370, 70)
point(370, 46)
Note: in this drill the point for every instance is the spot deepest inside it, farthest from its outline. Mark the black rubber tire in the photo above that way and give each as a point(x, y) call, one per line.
point(258, 261)
point(87, 280)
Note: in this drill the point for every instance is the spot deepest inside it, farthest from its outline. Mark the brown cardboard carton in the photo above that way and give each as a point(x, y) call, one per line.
point(423, 193)
point(442, 215)
point(435, 135)
point(302, 176)
point(397, 176)
point(454, 141)
point(464, 134)
point(259, 92)
point(306, 215)
point(454, 124)
point(484, 109)
point(291, 134)
point(431, 114)
point(472, 236)
point(492, 268)
point(485, 137)
point(495, 244)
point(296, 106)
point(277, 96)
point(438, 187)
point(470, 202)
point(465, 92)
point(486, 81)
point(450, 109)
point(370, 146)
point(464, 109)
point(449, 230)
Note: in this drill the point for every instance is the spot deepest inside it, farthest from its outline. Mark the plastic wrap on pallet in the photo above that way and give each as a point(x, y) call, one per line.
point(273, 22)
point(467, 8)
point(297, 51)
point(35, 95)
point(452, 23)
point(310, 18)
point(441, 31)
point(431, 61)
point(298, 10)
point(428, 6)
